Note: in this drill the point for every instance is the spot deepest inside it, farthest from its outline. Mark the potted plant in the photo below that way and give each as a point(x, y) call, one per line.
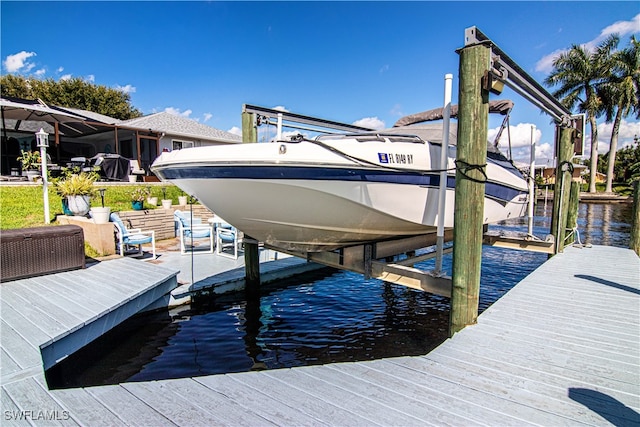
point(100, 215)
point(166, 203)
point(182, 199)
point(77, 190)
point(152, 200)
point(30, 161)
point(138, 197)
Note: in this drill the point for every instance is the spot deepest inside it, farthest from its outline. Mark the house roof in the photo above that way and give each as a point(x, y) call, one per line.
point(90, 115)
point(172, 124)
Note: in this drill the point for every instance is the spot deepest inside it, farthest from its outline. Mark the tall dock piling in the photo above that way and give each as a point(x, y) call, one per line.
point(471, 158)
point(562, 186)
point(251, 252)
point(635, 221)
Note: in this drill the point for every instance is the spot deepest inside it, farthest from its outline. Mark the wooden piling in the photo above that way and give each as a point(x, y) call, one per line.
point(251, 252)
point(562, 186)
point(473, 118)
point(572, 212)
point(635, 221)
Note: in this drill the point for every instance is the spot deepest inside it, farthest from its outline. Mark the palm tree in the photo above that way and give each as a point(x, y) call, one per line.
point(621, 96)
point(579, 72)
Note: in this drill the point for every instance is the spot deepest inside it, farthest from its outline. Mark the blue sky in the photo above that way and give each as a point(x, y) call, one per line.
point(354, 62)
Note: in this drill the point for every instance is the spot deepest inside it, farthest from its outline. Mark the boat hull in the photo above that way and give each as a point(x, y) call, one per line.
point(306, 197)
point(343, 213)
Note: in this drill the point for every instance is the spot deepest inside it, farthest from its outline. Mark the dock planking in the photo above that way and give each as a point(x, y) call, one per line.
point(561, 348)
point(46, 318)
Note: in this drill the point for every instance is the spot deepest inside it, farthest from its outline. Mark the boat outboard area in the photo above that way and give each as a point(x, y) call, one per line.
point(335, 190)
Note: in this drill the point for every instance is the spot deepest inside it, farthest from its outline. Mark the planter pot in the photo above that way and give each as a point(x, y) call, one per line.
point(133, 178)
point(137, 205)
point(31, 175)
point(153, 201)
point(182, 200)
point(79, 205)
point(166, 204)
point(65, 207)
point(100, 215)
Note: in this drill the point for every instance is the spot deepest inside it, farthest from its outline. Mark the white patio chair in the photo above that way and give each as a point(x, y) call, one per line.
point(132, 237)
point(189, 231)
point(227, 237)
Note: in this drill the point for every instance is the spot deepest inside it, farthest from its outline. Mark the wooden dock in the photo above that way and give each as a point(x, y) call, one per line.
point(561, 348)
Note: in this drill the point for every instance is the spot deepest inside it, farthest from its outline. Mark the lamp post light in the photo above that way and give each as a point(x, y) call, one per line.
point(42, 141)
point(101, 191)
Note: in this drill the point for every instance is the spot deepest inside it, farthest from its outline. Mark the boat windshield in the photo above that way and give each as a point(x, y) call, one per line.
point(373, 137)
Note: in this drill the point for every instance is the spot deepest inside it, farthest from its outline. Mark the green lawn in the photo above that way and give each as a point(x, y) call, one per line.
point(23, 206)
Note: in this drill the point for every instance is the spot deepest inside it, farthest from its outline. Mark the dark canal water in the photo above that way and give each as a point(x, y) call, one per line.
point(323, 317)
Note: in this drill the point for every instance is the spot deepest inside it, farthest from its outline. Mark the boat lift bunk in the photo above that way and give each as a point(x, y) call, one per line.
point(388, 260)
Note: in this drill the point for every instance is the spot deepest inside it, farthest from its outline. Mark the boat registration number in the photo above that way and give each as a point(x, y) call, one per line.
point(404, 159)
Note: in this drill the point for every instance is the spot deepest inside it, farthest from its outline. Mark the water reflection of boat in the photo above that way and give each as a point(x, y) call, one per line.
point(335, 190)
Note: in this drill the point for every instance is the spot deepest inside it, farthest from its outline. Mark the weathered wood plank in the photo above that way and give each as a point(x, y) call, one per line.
point(43, 303)
point(11, 296)
point(28, 330)
point(542, 382)
point(450, 399)
point(423, 404)
point(83, 407)
point(538, 337)
point(223, 408)
point(510, 400)
point(573, 363)
point(301, 400)
point(7, 364)
point(11, 415)
point(17, 348)
point(128, 407)
point(257, 401)
point(178, 409)
point(36, 404)
point(376, 411)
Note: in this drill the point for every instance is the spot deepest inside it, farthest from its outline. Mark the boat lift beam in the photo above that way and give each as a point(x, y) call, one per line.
point(377, 260)
point(269, 113)
point(506, 70)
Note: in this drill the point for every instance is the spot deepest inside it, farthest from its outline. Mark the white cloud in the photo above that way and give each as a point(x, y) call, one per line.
point(18, 62)
point(59, 70)
point(40, 72)
point(207, 117)
point(65, 77)
point(280, 108)
point(91, 78)
point(126, 88)
point(622, 28)
point(544, 152)
point(370, 122)
point(235, 130)
point(627, 132)
point(520, 135)
point(176, 112)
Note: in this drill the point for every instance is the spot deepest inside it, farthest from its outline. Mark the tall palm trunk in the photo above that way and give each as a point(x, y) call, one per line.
point(594, 154)
point(613, 147)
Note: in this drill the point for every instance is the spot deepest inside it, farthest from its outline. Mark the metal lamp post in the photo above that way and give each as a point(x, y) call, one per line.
point(42, 140)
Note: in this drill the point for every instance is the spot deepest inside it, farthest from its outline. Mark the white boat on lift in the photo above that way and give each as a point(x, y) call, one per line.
point(335, 190)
